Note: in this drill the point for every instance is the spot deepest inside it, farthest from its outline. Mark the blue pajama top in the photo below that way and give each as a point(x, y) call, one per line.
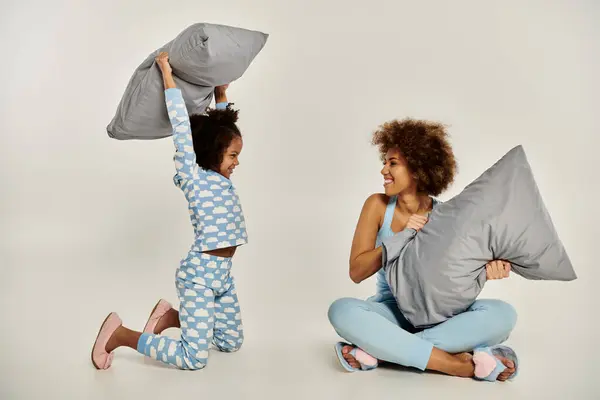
point(213, 203)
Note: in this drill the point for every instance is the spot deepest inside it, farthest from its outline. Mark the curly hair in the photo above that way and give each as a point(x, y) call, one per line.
point(211, 135)
point(425, 147)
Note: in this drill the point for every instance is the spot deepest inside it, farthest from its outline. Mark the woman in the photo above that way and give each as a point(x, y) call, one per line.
point(418, 165)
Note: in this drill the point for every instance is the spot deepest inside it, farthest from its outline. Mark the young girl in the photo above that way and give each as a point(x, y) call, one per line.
point(207, 151)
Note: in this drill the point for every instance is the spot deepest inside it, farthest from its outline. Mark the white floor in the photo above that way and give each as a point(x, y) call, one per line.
point(53, 316)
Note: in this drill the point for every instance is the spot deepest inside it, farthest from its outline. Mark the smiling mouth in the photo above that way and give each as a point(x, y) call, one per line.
point(387, 182)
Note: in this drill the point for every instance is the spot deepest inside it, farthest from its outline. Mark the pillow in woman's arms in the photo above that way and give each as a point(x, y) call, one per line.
point(202, 56)
point(439, 272)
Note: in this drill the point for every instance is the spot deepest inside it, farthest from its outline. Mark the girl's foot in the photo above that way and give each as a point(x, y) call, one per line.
point(114, 341)
point(169, 320)
point(163, 316)
point(122, 337)
point(111, 336)
point(101, 351)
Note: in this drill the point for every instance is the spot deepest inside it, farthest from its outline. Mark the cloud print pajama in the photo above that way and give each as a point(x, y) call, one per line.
point(209, 310)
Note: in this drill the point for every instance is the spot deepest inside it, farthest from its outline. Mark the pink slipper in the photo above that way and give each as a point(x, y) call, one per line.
point(158, 311)
point(100, 358)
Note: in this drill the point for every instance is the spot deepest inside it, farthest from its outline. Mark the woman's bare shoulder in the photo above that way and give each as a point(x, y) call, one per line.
point(376, 204)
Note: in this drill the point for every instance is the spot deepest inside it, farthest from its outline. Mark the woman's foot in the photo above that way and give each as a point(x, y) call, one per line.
point(494, 363)
point(349, 357)
point(460, 364)
point(463, 367)
point(510, 369)
point(468, 359)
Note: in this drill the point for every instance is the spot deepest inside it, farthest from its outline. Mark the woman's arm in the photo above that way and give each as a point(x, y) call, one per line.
point(365, 259)
point(184, 158)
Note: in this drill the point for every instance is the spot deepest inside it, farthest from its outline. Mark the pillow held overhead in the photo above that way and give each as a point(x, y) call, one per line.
point(202, 56)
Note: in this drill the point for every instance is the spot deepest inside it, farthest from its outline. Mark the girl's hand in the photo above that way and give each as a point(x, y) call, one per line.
point(416, 222)
point(497, 269)
point(221, 93)
point(163, 62)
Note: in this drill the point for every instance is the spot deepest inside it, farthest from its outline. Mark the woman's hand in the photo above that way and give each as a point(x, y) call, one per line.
point(416, 222)
point(163, 62)
point(497, 269)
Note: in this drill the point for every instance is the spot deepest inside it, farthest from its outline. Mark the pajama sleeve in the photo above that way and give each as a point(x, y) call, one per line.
point(185, 158)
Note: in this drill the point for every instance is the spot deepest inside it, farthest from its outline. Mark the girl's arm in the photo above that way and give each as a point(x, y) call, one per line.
point(184, 158)
point(221, 97)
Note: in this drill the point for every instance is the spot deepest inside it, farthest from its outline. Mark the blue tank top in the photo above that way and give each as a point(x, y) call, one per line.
point(383, 289)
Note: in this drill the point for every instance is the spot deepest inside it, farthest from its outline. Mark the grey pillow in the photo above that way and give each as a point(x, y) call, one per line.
point(439, 272)
point(202, 56)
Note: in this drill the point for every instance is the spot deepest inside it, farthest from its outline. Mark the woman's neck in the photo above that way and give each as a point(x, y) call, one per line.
point(413, 203)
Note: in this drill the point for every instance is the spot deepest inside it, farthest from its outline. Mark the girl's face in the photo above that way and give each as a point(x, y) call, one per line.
point(396, 176)
point(230, 157)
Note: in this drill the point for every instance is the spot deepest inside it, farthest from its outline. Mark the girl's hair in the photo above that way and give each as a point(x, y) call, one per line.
point(425, 147)
point(211, 134)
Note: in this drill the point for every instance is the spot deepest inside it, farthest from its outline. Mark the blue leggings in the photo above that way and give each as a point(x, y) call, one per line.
point(380, 329)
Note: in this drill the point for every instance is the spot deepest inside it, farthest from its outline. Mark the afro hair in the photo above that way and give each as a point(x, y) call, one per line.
point(425, 147)
point(211, 135)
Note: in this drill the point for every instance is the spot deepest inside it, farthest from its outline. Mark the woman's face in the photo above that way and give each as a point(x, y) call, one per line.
point(230, 157)
point(396, 176)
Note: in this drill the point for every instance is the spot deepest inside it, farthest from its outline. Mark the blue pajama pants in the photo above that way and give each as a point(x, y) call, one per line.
point(380, 329)
point(209, 312)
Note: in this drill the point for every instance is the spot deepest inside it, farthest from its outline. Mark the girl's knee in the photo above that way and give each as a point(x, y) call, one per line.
point(195, 366)
point(196, 361)
point(230, 345)
point(237, 343)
